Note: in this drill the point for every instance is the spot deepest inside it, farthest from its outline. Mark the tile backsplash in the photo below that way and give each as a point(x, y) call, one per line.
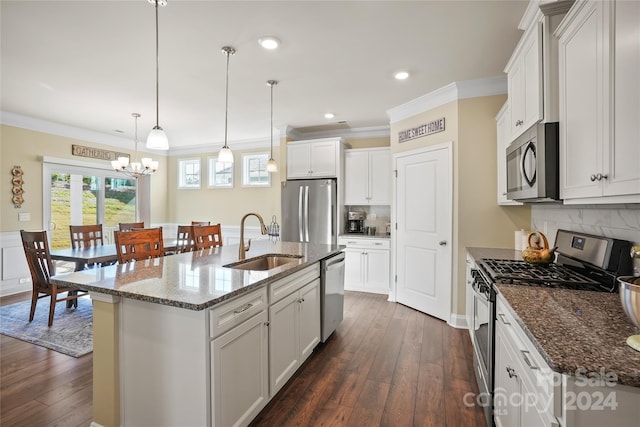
point(617, 221)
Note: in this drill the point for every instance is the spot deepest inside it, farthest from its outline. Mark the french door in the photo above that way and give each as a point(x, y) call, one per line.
point(76, 195)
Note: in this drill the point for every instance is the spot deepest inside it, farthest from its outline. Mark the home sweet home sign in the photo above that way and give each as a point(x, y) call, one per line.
point(432, 127)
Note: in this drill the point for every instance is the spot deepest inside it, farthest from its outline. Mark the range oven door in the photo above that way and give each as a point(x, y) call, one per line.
point(483, 340)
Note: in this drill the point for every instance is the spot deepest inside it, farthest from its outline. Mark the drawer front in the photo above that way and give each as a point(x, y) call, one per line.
point(232, 313)
point(354, 242)
point(292, 283)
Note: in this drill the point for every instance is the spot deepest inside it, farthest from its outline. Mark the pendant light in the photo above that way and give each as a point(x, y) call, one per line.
point(157, 139)
point(137, 168)
point(272, 166)
point(225, 155)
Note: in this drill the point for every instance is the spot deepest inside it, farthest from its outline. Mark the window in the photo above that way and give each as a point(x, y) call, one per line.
point(189, 173)
point(254, 170)
point(220, 174)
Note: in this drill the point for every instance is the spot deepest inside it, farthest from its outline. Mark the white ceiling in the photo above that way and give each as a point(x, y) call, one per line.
point(90, 64)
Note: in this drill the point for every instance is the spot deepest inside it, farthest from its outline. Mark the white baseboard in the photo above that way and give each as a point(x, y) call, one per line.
point(458, 321)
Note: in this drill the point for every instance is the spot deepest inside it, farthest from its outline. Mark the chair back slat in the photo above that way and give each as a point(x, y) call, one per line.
point(184, 240)
point(36, 250)
point(85, 236)
point(128, 226)
point(207, 236)
point(139, 244)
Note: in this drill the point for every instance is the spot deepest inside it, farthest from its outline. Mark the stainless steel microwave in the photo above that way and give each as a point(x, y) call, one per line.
point(533, 165)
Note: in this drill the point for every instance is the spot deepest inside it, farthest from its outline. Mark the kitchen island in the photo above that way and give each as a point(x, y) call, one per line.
point(572, 343)
point(187, 340)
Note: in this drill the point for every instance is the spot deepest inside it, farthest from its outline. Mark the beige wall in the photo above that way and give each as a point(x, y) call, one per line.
point(477, 218)
point(224, 206)
point(25, 148)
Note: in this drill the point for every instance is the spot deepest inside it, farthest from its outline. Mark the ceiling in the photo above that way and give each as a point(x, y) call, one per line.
point(90, 64)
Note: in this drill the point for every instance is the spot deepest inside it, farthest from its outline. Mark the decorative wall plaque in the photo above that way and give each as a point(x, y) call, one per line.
point(96, 153)
point(433, 126)
point(17, 191)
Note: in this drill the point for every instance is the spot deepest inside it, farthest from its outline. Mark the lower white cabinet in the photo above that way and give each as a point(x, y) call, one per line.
point(295, 331)
point(367, 264)
point(239, 372)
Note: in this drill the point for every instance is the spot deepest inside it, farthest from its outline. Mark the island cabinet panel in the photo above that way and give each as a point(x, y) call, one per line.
point(294, 322)
point(164, 365)
point(240, 372)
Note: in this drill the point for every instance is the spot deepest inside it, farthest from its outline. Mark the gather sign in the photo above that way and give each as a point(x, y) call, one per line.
point(432, 127)
point(96, 153)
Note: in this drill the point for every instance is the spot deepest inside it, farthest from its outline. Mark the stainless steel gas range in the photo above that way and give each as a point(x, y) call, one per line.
point(584, 262)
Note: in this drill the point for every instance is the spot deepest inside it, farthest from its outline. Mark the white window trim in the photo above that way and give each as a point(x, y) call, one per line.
point(211, 170)
point(189, 187)
point(246, 185)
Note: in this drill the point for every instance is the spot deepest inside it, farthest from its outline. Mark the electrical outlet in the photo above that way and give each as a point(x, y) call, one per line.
point(24, 216)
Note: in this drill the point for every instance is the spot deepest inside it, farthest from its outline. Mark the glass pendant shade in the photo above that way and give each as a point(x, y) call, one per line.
point(272, 166)
point(225, 155)
point(157, 139)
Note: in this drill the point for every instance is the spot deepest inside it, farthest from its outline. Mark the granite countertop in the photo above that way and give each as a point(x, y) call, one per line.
point(194, 280)
point(572, 329)
point(364, 236)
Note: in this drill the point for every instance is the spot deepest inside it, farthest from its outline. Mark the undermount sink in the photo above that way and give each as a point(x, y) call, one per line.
point(265, 262)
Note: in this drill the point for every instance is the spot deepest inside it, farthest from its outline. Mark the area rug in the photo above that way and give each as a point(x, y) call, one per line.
point(71, 332)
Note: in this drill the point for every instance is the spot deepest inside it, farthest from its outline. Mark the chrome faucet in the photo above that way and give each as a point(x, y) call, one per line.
point(263, 230)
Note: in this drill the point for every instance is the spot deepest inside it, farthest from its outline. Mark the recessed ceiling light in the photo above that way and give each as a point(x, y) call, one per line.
point(329, 116)
point(269, 42)
point(401, 75)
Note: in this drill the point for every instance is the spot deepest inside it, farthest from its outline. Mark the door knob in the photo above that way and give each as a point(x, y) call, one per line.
point(442, 243)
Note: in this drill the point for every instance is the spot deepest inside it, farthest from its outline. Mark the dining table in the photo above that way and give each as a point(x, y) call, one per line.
point(102, 254)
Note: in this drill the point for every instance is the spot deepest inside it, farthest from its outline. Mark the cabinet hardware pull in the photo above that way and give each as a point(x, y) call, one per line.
point(600, 176)
point(378, 243)
point(442, 243)
point(243, 309)
point(501, 315)
point(266, 323)
point(519, 122)
point(301, 300)
point(511, 372)
point(525, 354)
point(593, 177)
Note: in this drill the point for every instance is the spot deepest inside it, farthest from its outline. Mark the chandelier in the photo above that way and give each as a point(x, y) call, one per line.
point(135, 169)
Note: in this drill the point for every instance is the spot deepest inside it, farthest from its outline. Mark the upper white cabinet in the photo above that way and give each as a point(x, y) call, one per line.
point(319, 158)
point(524, 81)
point(367, 176)
point(600, 103)
point(503, 132)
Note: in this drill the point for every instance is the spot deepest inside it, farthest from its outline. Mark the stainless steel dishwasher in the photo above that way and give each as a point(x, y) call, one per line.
point(331, 294)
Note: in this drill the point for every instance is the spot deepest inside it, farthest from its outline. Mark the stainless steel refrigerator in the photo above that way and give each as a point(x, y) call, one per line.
point(309, 211)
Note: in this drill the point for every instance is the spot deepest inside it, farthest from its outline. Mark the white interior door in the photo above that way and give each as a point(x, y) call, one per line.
point(424, 199)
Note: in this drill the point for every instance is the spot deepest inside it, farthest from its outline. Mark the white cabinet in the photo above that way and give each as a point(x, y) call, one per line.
point(238, 395)
point(295, 327)
point(367, 177)
point(320, 158)
point(367, 264)
point(526, 391)
point(503, 133)
point(524, 81)
point(599, 103)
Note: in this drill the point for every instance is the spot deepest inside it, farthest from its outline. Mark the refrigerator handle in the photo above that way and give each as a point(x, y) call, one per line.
point(300, 216)
point(306, 213)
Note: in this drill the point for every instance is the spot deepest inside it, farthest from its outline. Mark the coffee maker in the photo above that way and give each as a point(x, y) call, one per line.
point(355, 222)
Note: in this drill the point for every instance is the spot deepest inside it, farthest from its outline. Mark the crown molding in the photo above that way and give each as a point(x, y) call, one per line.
point(86, 135)
point(352, 133)
point(241, 145)
point(449, 93)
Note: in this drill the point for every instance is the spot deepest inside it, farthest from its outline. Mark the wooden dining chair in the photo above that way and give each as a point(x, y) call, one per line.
point(139, 244)
point(84, 236)
point(207, 236)
point(184, 240)
point(199, 223)
point(128, 226)
point(36, 250)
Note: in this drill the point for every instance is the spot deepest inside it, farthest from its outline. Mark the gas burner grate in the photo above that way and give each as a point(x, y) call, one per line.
point(520, 272)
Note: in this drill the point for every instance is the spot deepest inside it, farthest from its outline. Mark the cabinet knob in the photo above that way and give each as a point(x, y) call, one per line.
point(602, 176)
point(266, 323)
point(593, 177)
point(511, 372)
point(442, 243)
point(519, 123)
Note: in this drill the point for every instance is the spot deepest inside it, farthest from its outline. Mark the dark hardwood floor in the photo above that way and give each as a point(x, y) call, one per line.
point(386, 365)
